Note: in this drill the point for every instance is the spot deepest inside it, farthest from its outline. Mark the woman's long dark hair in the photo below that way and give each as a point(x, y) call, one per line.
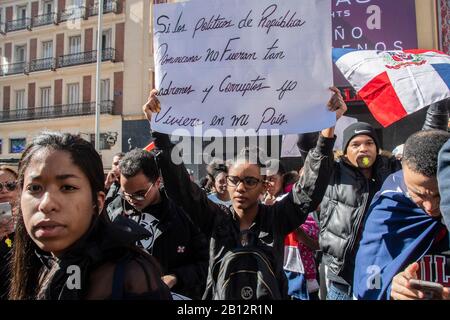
point(25, 265)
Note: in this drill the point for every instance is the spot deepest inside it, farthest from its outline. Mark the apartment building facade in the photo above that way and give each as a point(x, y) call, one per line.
point(48, 72)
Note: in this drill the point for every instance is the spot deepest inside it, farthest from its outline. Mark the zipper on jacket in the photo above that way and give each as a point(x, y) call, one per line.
point(358, 223)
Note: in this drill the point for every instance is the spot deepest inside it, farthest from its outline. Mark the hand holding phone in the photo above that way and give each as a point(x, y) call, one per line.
point(432, 290)
point(6, 219)
point(5, 211)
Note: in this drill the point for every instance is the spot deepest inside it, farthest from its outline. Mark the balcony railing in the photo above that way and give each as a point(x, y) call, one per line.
point(45, 19)
point(59, 111)
point(19, 24)
point(85, 57)
point(108, 6)
point(73, 13)
point(42, 64)
point(14, 68)
point(69, 60)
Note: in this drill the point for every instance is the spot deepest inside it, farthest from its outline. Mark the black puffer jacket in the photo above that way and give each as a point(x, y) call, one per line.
point(343, 208)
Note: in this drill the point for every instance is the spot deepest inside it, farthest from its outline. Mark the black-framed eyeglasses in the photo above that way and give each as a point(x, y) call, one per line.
point(9, 185)
point(249, 182)
point(138, 196)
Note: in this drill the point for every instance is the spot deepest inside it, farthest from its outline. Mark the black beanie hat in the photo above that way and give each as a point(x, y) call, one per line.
point(356, 129)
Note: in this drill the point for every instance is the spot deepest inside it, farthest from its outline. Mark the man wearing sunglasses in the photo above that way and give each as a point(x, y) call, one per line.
point(177, 244)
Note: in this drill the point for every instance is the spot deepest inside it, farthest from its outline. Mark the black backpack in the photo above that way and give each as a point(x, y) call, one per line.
point(245, 273)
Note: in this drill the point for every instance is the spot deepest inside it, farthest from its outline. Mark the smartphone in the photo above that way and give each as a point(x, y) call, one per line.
point(432, 290)
point(5, 211)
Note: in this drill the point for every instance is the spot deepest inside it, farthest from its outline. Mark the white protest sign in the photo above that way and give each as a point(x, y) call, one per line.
point(253, 65)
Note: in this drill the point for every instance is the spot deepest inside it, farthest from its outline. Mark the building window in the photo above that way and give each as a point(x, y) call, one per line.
point(45, 97)
point(104, 90)
point(74, 44)
point(77, 3)
point(103, 144)
point(20, 103)
point(47, 49)
point(73, 93)
point(17, 145)
point(20, 99)
point(20, 54)
point(106, 39)
point(48, 7)
point(21, 12)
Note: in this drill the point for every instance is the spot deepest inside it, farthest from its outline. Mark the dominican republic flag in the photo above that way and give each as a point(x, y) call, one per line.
point(395, 84)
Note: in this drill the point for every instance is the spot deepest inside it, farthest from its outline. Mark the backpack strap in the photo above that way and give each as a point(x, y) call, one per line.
point(119, 279)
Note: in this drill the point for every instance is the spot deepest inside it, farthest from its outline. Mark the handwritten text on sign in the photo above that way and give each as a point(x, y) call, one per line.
point(248, 64)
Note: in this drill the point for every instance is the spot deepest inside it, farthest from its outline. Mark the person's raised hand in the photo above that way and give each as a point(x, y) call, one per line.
point(336, 103)
point(112, 176)
point(152, 105)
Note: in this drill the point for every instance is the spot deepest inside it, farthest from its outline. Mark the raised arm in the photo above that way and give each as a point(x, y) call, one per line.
point(177, 182)
point(437, 116)
point(308, 192)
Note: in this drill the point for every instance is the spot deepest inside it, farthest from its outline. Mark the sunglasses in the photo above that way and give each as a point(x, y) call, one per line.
point(138, 197)
point(10, 186)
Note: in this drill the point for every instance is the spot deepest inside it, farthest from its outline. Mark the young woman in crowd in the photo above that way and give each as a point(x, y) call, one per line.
point(246, 182)
point(218, 173)
point(65, 247)
point(275, 172)
point(8, 198)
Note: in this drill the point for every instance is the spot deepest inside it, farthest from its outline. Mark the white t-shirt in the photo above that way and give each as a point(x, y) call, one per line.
point(213, 197)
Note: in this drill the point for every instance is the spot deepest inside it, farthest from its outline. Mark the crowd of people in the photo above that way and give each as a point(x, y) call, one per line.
point(358, 225)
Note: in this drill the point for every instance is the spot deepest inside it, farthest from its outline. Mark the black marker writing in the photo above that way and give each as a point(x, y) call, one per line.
point(241, 120)
point(180, 121)
point(237, 55)
point(213, 23)
point(207, 91)
point(253, 85)
point(216, 121)
point(164, 57)
point(246, 22)
point(173, 90)
point(269, 116)
point(163, 20)
point(272, 55)
point(289, 20)
point(288, 85)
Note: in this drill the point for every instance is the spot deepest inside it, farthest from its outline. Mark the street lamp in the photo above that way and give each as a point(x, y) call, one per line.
point(98, 75)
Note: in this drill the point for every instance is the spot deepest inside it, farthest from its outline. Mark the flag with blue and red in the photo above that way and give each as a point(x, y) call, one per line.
point(395, 84)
